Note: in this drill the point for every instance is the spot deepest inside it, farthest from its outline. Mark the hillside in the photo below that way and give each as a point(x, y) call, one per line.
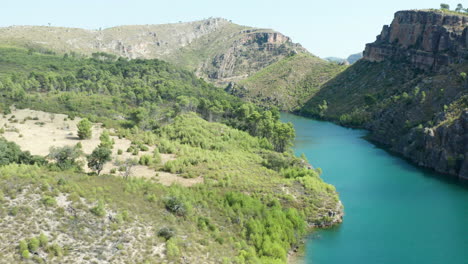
point(172, 170)
point(288, 83)
point(410, 90)
point(215, 48)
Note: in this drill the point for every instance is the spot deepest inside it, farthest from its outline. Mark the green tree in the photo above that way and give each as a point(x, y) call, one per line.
point(459, 8)
point(106, 140)
point(65, 157)
point(98, 158)
point(444, 6)
point(84, 129)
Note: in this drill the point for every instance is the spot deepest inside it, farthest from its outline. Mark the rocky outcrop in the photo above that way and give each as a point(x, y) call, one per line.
point(427, 40)
point(252, 51)
point(443, 148)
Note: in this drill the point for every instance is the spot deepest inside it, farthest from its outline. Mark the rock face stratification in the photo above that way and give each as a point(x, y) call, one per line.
point(427, 40)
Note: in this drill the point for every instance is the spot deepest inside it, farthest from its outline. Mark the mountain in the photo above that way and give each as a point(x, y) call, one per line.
point(349, 60)
point(409, 90)
point(214, 48)
point(336, 60)
point(247, 60)
point(288, 83)
point(354, 57)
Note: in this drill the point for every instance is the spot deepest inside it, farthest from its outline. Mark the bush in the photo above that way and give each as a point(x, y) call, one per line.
point(172, 250)
point(43, 240)
point(48, 201)
point(55, 250)
point(176, 205)
point(166, 233)
point(33, 244)
point(145, 160)
point(23, 246)
point(99, 209)
point(25, 254)
point(65, 156)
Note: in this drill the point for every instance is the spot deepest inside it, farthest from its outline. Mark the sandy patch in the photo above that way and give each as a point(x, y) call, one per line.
point(37, 131)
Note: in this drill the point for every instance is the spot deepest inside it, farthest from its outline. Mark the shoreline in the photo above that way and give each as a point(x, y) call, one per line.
point(386, 147)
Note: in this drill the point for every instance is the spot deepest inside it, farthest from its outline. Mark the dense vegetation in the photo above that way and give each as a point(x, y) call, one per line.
point(255, 203)
point(147, 92)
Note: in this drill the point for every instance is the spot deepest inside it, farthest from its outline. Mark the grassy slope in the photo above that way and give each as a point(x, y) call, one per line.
point(367, 88)
point(289, 83)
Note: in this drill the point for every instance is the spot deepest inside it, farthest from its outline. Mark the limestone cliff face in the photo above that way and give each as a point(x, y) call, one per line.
point(251, 51)
point(427, 40)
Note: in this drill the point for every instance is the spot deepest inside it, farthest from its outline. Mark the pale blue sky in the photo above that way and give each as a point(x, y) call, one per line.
point(325, 28)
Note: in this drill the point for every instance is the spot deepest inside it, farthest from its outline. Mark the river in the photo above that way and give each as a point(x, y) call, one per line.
point(395, 212)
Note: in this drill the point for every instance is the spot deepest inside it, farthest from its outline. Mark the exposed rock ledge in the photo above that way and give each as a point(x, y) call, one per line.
point(427, 40)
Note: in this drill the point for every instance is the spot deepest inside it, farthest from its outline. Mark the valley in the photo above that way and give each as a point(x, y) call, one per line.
point(183, 143)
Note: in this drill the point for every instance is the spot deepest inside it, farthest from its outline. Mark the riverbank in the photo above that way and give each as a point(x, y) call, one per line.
point(373, 138)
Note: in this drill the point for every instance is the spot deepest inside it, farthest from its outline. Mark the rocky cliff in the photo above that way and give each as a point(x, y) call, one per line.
point(427, 40)
point(215, 48)
point(410, 90)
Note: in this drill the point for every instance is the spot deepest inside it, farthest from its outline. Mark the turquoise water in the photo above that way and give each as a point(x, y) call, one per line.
point(395, 212)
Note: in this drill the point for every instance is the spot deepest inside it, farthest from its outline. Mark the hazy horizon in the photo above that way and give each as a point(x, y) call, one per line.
point(331, 29)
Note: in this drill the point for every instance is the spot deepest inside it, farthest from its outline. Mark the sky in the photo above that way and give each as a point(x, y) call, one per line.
point(325, 28)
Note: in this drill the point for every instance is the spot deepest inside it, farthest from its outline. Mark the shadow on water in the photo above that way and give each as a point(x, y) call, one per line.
point(411, 166)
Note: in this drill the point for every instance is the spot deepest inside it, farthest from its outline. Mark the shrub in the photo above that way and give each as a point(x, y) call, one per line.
point(25, 254)
point(55, 250)
point(33, 244)
point(166, 233)
point(176, 205)
point(48, 201)
point(65, 156)
point(143, 147)
point(99, 209)
point(145, 160)
point(43, 240)
point(172, 250)
point(23, 246)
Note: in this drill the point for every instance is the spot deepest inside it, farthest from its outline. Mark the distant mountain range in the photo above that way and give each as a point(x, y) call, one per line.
point(349, 60)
